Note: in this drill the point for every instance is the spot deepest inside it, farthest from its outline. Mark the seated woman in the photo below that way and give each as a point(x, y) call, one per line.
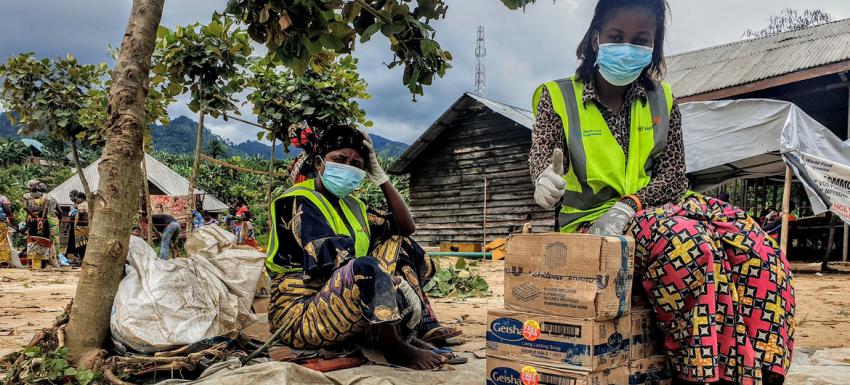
point(336, 278)
point(720, 287)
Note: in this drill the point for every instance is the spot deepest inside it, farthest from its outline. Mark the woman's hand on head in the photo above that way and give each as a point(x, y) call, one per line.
point(373, 166)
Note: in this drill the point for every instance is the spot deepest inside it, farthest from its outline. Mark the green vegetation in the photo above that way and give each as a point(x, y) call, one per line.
point(457, 280)
point(40, 367)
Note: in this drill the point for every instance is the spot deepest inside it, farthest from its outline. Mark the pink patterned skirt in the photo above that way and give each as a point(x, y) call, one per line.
point(721, 289)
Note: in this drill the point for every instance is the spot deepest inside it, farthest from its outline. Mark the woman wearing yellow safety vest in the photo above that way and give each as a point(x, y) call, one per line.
point(607, 153)
point(340, 277)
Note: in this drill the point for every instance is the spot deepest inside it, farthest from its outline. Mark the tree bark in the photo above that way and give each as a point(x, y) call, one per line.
point(118, 191)
point(89, 196)
point(148, 203)
point(194, 179)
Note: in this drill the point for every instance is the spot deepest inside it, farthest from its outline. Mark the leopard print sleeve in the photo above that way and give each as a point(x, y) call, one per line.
point(669, 182)
point(546, 136)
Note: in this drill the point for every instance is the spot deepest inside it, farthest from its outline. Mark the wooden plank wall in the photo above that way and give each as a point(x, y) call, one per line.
point(447, 181)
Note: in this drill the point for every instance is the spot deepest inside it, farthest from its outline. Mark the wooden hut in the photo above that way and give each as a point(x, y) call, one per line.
point(469, 174)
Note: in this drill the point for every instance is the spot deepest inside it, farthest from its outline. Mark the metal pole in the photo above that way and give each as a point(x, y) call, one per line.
point(786, 211)
point(484, 223)
point(844, 251)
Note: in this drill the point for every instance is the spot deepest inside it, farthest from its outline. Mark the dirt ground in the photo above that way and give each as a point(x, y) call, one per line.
point(30, 300)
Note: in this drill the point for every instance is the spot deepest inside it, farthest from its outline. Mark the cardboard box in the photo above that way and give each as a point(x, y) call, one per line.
point(506, 372)
point(646, 339)
point(559, 342)
point(571, 275)
point(655, 370)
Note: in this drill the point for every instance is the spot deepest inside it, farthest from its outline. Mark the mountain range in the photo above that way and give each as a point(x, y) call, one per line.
point(178, 137)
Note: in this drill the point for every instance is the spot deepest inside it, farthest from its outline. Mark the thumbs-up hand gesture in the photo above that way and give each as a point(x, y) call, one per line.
point(550, 184)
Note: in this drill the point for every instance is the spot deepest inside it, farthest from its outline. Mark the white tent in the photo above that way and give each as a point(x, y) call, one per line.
point(726, 140)
point(749, 138)
point(165, 179)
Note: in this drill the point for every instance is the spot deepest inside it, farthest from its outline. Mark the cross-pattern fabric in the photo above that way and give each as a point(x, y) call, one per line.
point(721, 289)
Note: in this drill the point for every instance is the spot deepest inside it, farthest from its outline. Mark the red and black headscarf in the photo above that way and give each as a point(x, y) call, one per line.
point(313, 145)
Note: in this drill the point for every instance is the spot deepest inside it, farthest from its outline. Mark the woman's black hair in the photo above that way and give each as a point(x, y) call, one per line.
point(81, 195)
point(604, 9)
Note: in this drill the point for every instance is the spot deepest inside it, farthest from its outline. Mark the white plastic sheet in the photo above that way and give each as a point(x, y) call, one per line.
point(162, 304)
point(753, 138)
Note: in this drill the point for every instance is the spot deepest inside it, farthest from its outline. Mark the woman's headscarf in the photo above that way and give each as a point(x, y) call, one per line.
point(312, 145)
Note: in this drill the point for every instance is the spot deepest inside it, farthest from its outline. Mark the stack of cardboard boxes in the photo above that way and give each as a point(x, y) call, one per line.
point(567, 319)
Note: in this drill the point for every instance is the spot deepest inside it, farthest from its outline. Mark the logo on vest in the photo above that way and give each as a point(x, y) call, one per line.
point(645, 128)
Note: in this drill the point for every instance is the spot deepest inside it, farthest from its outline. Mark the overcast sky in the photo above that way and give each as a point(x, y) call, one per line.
point(524, 49)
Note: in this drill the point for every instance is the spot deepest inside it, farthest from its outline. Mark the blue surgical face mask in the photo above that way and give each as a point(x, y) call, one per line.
point(341, 179)
point(621, 64)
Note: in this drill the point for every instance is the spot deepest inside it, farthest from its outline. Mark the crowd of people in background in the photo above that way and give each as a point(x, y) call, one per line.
point(167, 230)
point(50, 237)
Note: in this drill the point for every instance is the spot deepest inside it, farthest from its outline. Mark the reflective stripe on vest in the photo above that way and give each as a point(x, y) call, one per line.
point(594, 182)
point(354, 216)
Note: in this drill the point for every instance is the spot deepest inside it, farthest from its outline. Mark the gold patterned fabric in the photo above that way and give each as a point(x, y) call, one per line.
point(5, 246)
point(357, 295)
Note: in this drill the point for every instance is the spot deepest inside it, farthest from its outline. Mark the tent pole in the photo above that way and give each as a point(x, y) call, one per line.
point(844, 252)
point(786, 211)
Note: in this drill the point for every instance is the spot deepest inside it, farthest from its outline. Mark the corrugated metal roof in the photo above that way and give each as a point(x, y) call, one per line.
point(164, 178)
point(33, 143)
point(747, 61)
point(518, 115)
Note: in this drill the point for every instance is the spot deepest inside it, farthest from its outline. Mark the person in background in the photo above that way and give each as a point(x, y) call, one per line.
point(39, 207)
point(54, 217)
point(607, 153)
point(241, 206)
point(169, 232)
point(197, 220)
point(209, 219)
point(69, 224)
point(136, 232)
point(245, 233)
point(80, 226)
point(8, 254)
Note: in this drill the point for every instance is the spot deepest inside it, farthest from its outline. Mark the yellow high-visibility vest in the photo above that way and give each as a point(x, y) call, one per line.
point(599, 173)
point(353, 214)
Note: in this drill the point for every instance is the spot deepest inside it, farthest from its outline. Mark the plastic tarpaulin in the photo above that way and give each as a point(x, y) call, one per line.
point(749, 138)
point(732, 139)
point(162, 304)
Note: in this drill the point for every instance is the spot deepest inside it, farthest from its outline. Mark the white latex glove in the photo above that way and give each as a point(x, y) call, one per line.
point(549, 187)
point(614, 221)
point(373, 167)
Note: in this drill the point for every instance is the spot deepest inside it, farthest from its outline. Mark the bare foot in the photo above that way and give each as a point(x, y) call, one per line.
point(417, 343)
point(408, 356)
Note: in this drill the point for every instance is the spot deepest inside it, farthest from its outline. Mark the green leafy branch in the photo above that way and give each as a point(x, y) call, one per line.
point(205, 60)
point(458, 280)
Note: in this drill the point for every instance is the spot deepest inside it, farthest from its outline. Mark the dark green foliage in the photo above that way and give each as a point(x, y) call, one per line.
point(205, 60)
point(40, 367)
point(325, 95)
point(458, 280)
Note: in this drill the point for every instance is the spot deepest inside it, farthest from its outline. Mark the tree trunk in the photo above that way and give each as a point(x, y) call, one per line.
point(148, 203)
point(194, 179)
point(89, 196)
point(118, 191)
